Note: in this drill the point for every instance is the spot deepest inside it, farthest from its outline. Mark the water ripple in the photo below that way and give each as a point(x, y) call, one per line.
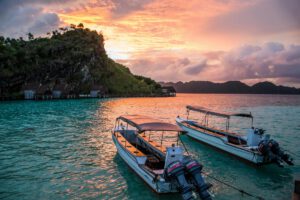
point(63, 149)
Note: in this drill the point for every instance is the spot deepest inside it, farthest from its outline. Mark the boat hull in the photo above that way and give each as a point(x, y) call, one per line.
point(221, 144)
point(158, 187)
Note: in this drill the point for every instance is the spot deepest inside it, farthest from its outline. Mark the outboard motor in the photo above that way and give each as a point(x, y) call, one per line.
point(254, 136)
point(270, 148)
point(175, 171)
point(194, 169)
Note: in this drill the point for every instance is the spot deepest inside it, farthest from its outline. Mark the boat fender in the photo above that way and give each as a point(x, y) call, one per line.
point(194, 170)
point(175, 171)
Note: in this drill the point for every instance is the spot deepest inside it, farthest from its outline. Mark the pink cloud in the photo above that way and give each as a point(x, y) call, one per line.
point(176, 40)
point(268, 61)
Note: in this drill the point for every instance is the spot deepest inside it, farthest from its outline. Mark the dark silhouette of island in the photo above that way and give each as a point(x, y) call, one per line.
point(230, 87)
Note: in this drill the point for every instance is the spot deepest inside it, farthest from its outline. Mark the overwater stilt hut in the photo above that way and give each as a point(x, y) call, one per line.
point(44, 92)
point(168, 91)
point(98, 91)
point(29, 90)
point(59, 91)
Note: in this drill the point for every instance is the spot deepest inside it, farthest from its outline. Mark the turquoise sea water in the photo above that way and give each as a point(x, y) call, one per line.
point(63, 149)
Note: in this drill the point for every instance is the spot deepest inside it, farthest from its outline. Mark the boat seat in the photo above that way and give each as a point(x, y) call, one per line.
point(233, 138)
point(236, 140)
point(152, 159)
point(202, 130)
point(129, 147)
point(158, 172)
point(154, 144)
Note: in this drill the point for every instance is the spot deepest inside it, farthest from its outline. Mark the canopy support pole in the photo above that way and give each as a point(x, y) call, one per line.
point(227, 124)
point(115, 125)
point(136, 141)
point(206, 119)
point(162, 135)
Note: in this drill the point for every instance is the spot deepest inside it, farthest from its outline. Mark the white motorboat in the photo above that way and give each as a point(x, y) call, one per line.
point(255, 146)
point(165, 168)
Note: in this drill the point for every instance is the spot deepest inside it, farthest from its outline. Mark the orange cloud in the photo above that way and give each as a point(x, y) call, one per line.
point(154, 36)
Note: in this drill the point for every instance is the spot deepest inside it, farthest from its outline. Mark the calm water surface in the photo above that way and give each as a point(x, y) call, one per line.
point(63, 149)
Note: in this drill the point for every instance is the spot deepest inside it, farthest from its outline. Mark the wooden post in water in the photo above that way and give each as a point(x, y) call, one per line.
point(296, 195)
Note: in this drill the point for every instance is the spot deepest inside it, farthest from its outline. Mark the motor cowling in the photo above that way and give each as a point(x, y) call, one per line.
point(194, 169)
point(175, 171)
point(254, 136)
point(273, 152)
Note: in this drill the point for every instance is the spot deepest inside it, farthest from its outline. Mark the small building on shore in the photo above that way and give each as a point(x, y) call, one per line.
point(168, 91)
point(29, 90)
point(97, 91)
point(58, 91)
point(43, 92)
point(70, 93)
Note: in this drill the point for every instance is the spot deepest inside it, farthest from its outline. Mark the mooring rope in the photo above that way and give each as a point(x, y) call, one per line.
point(224, 183)
point(184, 145)
point(233, 187)
point(290, 152)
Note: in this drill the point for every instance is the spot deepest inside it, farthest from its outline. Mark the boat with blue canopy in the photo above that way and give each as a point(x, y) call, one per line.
point(255, 147)
point(151, 149)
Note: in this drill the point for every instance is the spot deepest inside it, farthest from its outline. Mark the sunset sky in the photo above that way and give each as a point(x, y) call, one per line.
point(176, 40)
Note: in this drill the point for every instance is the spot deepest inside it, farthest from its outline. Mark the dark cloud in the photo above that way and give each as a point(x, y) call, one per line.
point(124, 7)
point(21, 17)
point(18, 17)
point(293, 54)
point(6, 5)
point(184, 61)
point(269, 61)
point(46, 22)
point(274, 46)
point(159, 67)
point(265, 17)
point(196, 69)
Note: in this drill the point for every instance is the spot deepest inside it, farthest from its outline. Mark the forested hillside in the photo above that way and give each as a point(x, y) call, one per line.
point(74, 56)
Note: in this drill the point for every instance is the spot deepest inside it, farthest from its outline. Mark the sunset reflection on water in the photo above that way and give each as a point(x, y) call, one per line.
point(63, 149)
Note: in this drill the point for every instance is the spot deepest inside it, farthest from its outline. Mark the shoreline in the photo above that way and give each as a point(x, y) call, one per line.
point(50, 98)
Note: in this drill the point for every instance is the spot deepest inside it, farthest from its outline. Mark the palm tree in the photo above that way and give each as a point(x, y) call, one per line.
point(80, 25)
point(30, 36)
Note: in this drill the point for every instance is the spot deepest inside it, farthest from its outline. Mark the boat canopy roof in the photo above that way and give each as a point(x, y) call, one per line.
point(144, 123)
point(225, 115)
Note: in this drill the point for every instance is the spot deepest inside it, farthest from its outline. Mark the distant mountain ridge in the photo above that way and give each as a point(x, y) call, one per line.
point(230, 87)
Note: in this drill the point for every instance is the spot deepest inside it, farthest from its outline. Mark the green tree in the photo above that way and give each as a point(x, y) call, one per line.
point(30, 36)
point(76, 56)
point(80, 25)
